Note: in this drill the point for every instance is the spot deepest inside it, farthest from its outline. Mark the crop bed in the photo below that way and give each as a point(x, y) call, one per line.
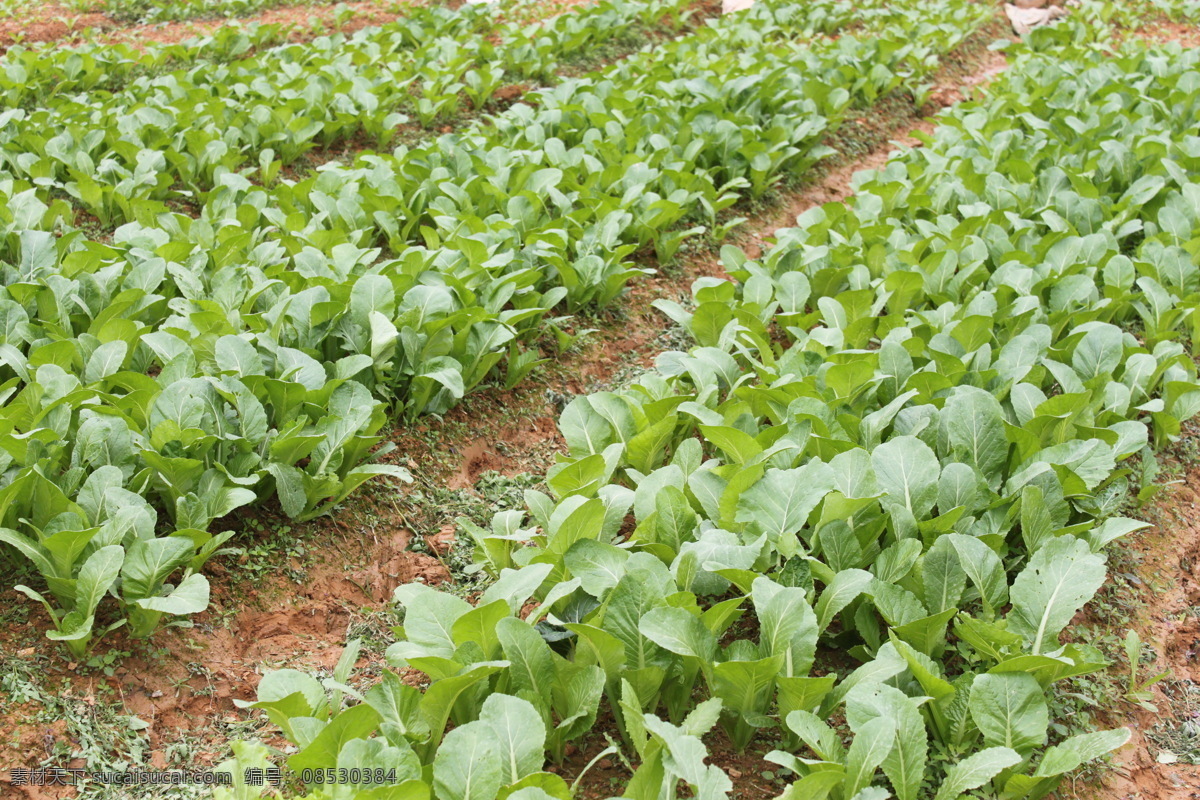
point(850, 519)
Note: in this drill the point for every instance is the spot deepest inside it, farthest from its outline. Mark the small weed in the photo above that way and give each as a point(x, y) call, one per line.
point(1138, 689)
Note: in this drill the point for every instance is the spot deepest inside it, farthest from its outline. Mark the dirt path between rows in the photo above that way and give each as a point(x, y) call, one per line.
point(1156, 577)
point(49, 22)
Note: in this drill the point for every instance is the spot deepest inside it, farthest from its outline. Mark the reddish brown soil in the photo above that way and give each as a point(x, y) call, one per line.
point(48, 22)
point(1163, 31)
point(1168, 624)
point(185, 684)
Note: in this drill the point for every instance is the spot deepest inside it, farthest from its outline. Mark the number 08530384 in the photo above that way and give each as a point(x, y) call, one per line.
point(353, 776)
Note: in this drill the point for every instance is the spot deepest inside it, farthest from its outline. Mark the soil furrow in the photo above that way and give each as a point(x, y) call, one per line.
point(1153, 590)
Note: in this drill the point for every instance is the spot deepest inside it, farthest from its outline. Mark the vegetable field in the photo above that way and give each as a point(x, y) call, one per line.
point(471, 402)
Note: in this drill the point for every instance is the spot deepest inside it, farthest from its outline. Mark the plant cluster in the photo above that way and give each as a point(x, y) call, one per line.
point(151, 11)
point(901, 436)
point(172, 136)
point(193, 365)
point(1100, 17)
point(118, 406)
point(32, 75)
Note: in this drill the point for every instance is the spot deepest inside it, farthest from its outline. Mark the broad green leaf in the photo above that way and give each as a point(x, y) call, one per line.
point(398, 705)
point(684, 757)
point(779, 503)
point(1098, 353)
point(532, 662)
point(598, 565)
point(1059, 579)
point(429, 617)
point(944, 578)
point(1010, 710)
point(356, 722)
point(906, 762)
point(149, 562)
point(927, 634)
point(479, 626)
point(974, 425)
point(982, 566)
point(538, 786)
point(976, 770)
point(368, 755)
point(788, 625)
point(907, 469)
point(819, 737)
point(680, 632)
point(1080, 749)
point(440, 697)
point(96, 575)
point(746, 688)
point(802, 693)
point(873, 741)
point(105, 360)
point(468, 764)
point(189, 597)
point(520, 735)
point(845, 588)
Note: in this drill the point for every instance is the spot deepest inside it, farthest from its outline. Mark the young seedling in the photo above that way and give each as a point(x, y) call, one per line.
point(1139, 690)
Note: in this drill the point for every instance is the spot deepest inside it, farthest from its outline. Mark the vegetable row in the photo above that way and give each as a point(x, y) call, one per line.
point(150, 11)
point(31, 76)
point(903, 436)
point(120, 154)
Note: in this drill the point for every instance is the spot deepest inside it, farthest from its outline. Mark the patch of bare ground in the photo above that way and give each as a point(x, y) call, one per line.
point(182, 684)
point(328, 581)
point(49, 22)
point(1162, 31)
point(1162, 760)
